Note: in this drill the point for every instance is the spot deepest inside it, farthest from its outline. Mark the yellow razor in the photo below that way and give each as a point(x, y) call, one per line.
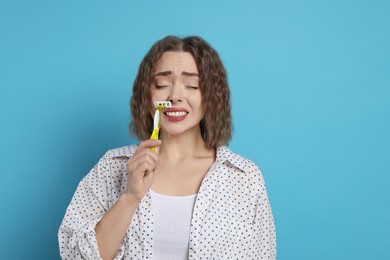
point(158, 105)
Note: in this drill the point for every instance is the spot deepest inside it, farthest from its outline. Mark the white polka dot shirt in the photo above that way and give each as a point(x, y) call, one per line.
point(232, 217)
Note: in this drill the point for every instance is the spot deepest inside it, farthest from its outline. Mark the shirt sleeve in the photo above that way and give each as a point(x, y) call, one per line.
point(263, 241)
point(76, 235)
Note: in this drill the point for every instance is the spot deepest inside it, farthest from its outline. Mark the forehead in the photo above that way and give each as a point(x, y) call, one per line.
point(176, 61)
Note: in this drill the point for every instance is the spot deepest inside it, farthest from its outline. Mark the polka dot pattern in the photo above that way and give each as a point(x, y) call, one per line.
point(232, 217)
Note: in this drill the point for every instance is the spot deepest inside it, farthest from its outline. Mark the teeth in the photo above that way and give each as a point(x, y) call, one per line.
point(181, 113)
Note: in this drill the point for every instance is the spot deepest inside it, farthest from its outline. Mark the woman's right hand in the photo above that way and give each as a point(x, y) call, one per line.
point(140, 170)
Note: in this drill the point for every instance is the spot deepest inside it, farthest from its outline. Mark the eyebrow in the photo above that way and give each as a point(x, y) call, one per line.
point(168, 72)
point(190, 74)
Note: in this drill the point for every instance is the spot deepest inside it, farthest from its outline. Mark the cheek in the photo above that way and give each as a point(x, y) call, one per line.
point(157, 95)
point(196, 102)
point(200, 101)
point(153, 98)
point(152, 94)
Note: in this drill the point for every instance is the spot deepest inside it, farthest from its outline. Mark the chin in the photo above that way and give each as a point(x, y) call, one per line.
point(175, 131)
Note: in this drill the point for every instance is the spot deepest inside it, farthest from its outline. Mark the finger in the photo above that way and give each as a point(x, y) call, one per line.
point(143, 160)
point(141, 155)
point(145, 167)
point(149, 176)
point(145, 155)
point(140, 171)
point(149, 143)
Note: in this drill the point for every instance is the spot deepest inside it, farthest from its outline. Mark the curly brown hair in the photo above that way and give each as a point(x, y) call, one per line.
point(216, 125)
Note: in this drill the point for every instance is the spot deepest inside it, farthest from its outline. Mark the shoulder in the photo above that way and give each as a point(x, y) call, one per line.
point(116, 157)
point(225, 155)
point(107, 179)
point(121, 152)
point(112, 167)
point(240, 166)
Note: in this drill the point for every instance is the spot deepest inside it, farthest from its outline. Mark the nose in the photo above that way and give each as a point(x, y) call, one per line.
point(175, 94)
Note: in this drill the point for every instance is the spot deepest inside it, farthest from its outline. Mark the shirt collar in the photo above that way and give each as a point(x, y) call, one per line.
point(223, 154)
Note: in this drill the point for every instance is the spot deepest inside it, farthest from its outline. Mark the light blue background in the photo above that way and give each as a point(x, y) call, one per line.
point(310, 82)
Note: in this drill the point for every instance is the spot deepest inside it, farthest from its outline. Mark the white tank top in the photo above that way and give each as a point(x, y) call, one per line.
point(172, 221)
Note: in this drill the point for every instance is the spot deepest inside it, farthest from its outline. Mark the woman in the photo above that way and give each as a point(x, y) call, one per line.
point(193, 198)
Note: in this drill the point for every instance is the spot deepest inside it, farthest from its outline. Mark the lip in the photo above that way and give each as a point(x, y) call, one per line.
point(174, 118)
point(175, 109)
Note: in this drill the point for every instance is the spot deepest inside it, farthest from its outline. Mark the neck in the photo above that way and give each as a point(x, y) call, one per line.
point(178, 147)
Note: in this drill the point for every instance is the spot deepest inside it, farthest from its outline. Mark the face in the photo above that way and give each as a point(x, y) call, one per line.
point(176, 79)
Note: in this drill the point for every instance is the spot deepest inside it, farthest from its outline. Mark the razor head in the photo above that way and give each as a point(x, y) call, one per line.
point(162, 104)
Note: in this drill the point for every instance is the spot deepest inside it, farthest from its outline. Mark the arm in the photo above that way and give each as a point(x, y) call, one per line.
point(92, 230)
point(77, 239)
point(112, 228)
point(263, 241)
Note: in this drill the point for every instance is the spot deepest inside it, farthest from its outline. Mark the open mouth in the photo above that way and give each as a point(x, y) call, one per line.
point(176, 114)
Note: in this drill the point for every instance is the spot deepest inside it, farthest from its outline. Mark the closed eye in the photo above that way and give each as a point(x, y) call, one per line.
point(161, 86)
point(192, 87)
